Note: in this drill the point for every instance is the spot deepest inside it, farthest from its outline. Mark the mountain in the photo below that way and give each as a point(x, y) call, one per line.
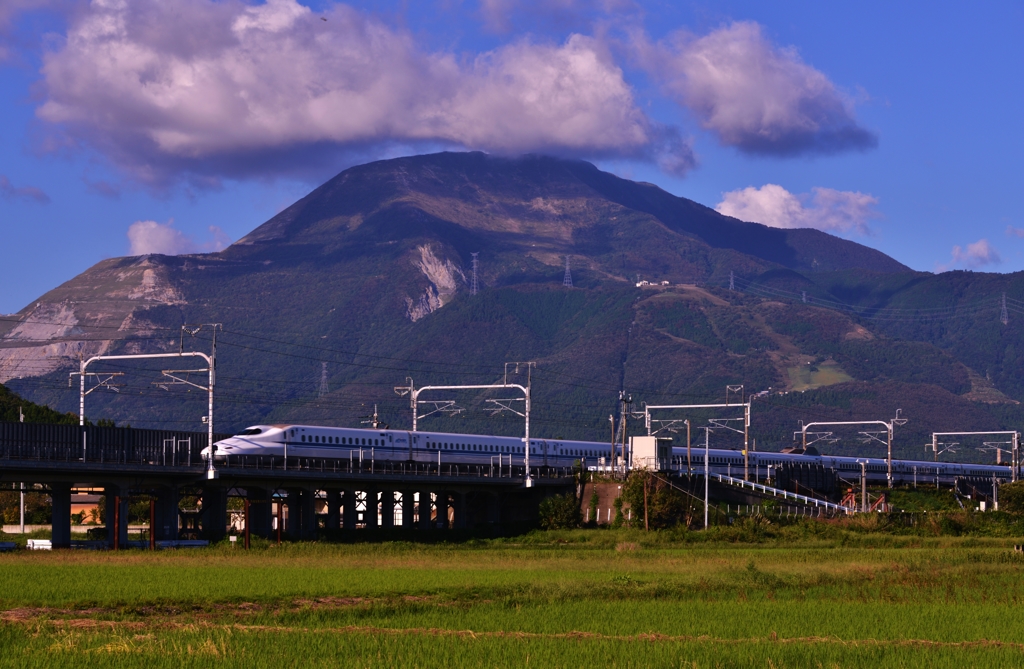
point(367, 281)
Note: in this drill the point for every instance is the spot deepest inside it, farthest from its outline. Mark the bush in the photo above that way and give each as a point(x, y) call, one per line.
point(560, 512)
point(1011, 497)
point(665, 505)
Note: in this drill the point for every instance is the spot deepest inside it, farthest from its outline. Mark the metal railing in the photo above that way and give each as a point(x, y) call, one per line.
point(784, 494)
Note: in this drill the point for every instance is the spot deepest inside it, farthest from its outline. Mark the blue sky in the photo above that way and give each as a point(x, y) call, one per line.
point(148, 126)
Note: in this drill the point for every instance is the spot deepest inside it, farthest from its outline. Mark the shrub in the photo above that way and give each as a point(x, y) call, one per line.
point(1011, 497)
point(560, 512)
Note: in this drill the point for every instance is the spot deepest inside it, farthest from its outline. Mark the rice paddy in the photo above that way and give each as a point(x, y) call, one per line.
point(556, 599)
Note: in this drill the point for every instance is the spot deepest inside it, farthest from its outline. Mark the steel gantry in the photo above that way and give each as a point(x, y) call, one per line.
point(868, 434)
point(173, 378)
point(671, 424)
point(500, 405)
point(1014, 446)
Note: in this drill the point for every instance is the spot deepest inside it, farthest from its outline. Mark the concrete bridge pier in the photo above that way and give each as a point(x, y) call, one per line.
point(307, 520)
point(441, 516)
point(166, 512)
point(349, 509)
point(387, 509)
point(260, 512)
point(408, 509)
point(333, 510)
point(372, 508)
point(60, 520)
point(493, 505)
point(425, 519)
point(293, 514)
point(460, 508)
point(215, 513)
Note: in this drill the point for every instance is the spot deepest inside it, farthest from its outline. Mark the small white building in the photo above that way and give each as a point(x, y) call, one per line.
point(652, 453)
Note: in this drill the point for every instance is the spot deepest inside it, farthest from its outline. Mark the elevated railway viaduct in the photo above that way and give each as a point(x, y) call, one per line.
point(358, 493)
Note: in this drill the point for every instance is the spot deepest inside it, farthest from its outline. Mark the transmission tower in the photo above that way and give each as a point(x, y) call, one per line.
point(567, 279)
point(323, 381)
point(803, 295)
point(1004, 315)
point(474, 287)
point(732, 281)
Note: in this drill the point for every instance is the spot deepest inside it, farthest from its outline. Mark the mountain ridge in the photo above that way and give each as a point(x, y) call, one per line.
point(370, 275)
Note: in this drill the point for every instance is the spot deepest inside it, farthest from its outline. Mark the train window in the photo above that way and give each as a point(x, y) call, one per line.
point(303, 437)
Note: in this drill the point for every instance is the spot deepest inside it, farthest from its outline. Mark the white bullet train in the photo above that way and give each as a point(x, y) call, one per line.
point(310, 441)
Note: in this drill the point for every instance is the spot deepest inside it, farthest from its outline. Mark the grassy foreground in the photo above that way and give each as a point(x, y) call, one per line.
point(557, 599)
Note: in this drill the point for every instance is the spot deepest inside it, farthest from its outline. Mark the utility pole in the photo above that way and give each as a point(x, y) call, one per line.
point(625, 402)
point(707, 475)
point(567, 279)
point(864, 486)
point(689, 462)
point(611, 462)
point(474, 287)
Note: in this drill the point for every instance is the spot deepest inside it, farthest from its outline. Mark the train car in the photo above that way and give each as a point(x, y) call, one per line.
point(312, 441)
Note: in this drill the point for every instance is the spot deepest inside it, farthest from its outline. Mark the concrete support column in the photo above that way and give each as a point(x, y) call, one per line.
point(215, 513)
point(260, 512)
point(425, 521)
point(441, 515)
point(387, 509)
point(308, 526)
point(333, 509)
point(60, 520)
point(408, 508)
point(349, 505)
point(372, 503)
point(293, 514)
point(493, 509)
point(166, 514)
point(111, 493)
point(461, 508)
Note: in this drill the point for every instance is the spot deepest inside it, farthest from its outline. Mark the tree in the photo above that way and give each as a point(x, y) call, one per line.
point(1011, 497)
point(654, 503)
point(560, 512)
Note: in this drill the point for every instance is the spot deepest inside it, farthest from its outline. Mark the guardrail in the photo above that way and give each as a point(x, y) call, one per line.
point(784, 494)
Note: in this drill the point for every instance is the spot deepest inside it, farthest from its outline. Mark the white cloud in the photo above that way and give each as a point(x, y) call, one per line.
point(227, 89)
point(823, 208)
point(755, 96)
point(1014, 232)
point(975, 255)
point(145, 237)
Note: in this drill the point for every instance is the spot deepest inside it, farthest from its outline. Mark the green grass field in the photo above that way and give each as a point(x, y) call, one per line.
point(556, 599)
